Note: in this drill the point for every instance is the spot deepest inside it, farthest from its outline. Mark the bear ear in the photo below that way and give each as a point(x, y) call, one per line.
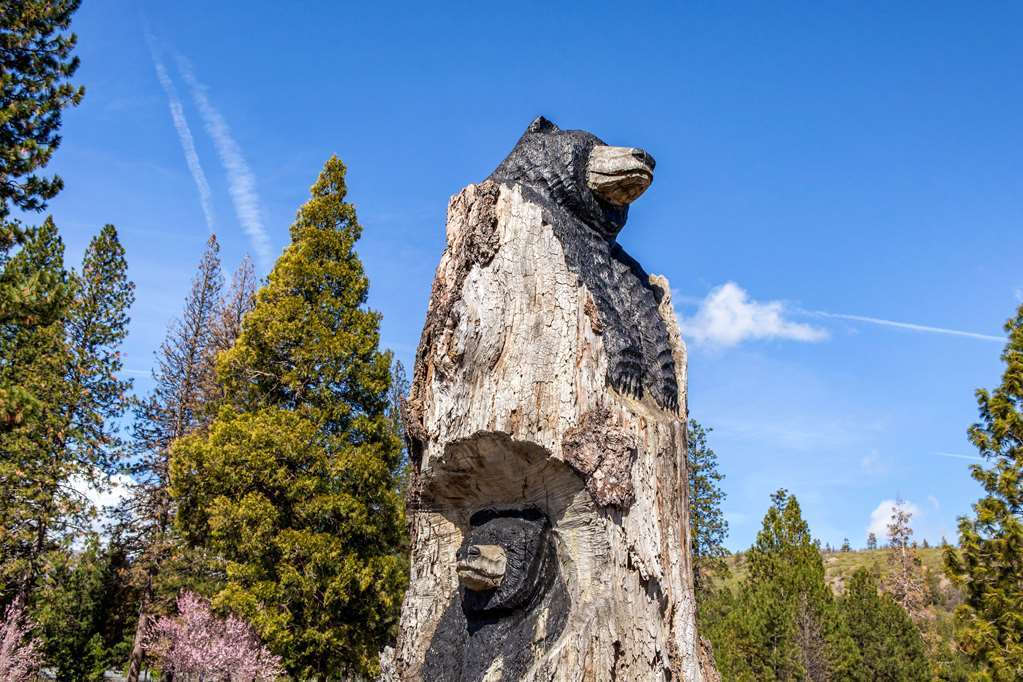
point(542, 125)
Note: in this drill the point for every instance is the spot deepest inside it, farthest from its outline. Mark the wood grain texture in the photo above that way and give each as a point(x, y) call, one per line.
point(511, 407)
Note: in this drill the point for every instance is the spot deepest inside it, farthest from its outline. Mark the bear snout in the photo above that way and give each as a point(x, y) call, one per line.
point(619, 175)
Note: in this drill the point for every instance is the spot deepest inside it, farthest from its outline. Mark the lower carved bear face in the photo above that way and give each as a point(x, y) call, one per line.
point(504, 561)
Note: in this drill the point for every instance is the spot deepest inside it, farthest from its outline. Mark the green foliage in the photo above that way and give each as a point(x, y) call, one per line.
point(35, 65)
point(292, 488)
point(707, 525)
point(989, 564)
point(70, 365)
point(888, 641)
point(782, 624)
point(83, 611)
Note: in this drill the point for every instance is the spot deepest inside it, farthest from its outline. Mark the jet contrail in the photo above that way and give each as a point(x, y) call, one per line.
point(955, 456)
point(240, 178)
point(184, 134)
point(908, 325)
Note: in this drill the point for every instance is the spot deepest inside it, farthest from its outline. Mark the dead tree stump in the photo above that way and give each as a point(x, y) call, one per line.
point(546, 419)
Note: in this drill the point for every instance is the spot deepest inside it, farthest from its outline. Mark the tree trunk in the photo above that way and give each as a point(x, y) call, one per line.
point(137, 651)
point(546, 420)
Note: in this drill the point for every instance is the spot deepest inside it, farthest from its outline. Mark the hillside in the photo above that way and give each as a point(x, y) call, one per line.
point(936, 628)
point(838, 566)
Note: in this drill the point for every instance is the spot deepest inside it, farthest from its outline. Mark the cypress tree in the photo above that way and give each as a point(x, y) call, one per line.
point(292, 487)
point(707, 525)
point(889, 643)
point(988, 565)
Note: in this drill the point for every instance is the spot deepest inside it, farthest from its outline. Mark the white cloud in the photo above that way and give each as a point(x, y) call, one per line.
point(882, 516)
point(727, 317)
point(240, 178)
point(871, 463)
point(184, 135)
point(103, 498)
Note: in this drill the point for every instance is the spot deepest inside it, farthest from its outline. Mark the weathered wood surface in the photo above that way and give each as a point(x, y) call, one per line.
point(515, 405)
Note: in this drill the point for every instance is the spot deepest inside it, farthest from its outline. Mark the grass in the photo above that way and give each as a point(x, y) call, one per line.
point(839, 566)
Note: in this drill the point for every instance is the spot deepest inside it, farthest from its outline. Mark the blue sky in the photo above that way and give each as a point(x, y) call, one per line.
point(814, 161)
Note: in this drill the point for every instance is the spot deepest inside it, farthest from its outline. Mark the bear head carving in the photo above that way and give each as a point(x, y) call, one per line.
point(577, 172)
point(505, 561)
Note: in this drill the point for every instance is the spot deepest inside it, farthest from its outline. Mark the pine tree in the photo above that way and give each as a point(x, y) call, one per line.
point(845, 545)
point(35, 65)
point(783, 623)
point(233, 307)
point(177, 406)
point(889, 643)
point(83, 612)
point(73, 365)
point(293, 486)
point(871, 541)
point(36, 358)
point(707, 525)
point(988, 566)
point(905, 580)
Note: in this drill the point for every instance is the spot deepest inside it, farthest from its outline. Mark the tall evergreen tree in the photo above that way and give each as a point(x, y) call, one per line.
point(35, 66)
point(988, 566)
point(35, 55)
point(783, 624)
point(889, 643)
point(177, 405)
point(84, 612)
point(34, 357)
point(707, 525)
point(292, 486)
point(73, 364)
point(871, 541)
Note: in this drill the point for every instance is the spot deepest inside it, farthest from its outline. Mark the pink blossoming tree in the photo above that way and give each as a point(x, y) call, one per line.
point(20, 654)
point(197, 645)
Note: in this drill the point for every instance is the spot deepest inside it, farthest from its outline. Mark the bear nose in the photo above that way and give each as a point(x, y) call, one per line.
point(644, 157)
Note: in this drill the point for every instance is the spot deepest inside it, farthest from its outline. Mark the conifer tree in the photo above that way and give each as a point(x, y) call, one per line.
point(905, 580)
point(35, 55)
point(234, 306)
point(988, 565)
point(889, 643)
point(871, 541)
point(783, 623)
point(177, 405)
point(292, 486)
point(34, 357)
point(35, 66)
point(83, 611)
point(707, 525)
point(73, 366)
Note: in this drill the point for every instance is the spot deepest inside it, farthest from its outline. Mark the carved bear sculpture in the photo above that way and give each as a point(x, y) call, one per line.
point(508, 570)
point(588, 186)
point(546, 425)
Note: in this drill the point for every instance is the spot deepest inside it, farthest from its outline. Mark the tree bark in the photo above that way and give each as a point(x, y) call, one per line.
point(513, 409)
